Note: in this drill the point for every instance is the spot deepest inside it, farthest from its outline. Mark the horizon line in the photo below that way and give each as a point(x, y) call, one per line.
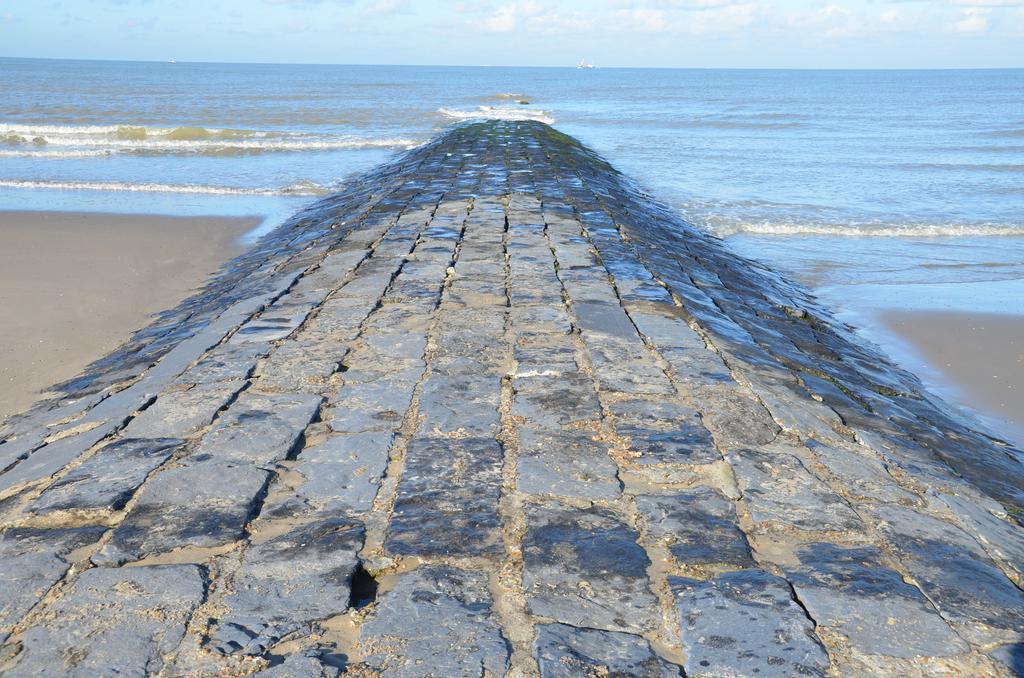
point(175, 61)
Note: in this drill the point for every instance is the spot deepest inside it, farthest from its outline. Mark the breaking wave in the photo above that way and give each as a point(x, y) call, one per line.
point(754, 216)
point(53, 155)
point(870, 230)
point(299, 188)
point(26, 140)
point(499, 113)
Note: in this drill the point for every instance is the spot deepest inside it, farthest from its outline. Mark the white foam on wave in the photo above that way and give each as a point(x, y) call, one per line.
point(301, 188)
point(198, 140)
point(499, 113)
point(874, 230)
point(54, 155)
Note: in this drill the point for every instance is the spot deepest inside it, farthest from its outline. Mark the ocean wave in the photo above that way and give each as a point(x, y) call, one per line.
point(962, 166)
point(980, 149)
point(735, 124)
point(499, 113)
point(299, 188)
point(53, 155)
point(779, 116)
point(184, 140)
point(867, 230)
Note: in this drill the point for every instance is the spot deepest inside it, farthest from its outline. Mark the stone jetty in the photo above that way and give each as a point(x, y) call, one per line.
point(492, 410)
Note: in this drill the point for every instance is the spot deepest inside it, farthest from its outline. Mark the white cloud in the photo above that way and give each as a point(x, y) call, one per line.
point(388, 7)
point(830, 21)
point(988, 3)
point(502, 21)
point(897, 20)
point(692, 17)
point(768, 19)
point(138, 23)
point(306, 3)
point(973, 20)
point(724, 19)
point(890, 17)
point(507, 17)
point(699, 4)
point(642, 19)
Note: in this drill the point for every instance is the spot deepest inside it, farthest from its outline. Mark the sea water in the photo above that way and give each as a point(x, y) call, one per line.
point(878, 189)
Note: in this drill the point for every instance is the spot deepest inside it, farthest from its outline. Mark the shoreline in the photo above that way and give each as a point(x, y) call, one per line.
point(948, 309)
point(975, 361)
point(75, 285)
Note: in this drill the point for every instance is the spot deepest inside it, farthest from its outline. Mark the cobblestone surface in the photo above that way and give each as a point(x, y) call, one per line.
point(491, 410)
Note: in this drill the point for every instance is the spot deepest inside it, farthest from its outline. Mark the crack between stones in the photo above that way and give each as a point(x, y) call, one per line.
point(510, 607)
point(663, 638)
point(383, 504)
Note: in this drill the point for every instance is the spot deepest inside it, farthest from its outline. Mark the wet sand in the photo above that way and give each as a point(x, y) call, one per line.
point(74, 286)
point(980, 354)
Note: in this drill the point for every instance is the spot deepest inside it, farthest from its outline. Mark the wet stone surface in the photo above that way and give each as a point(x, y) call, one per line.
point(863, 475)
point(447, 499)
point(667, 440)
point(34, 559)
point(1010, 658)
point(310, 664)
point(699, 526)
point(436, 621)
point(956, 574)
point(553, 401)
point(780, 491)
point(342, 474)
point(584, 567)
point(180, 413)
point(735, 418)
point(287, 582)
point(565, 651)
point(108, 479)
point(260, 428)
point(112, 621)
point(745, 623)
point(202, 503)
point(849, 591)
point(377, 405)
point(565, 464)
point(491, 410)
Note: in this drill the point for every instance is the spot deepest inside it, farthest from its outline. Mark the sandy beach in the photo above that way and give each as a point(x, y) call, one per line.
point(74, 285)
point(981, 355)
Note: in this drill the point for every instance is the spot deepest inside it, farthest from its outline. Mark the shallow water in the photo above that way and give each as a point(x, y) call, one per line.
point(778, 152)
point(879, 189)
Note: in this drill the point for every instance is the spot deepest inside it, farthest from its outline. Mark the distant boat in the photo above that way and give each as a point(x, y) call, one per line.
point(584, 64)
point(173, 61)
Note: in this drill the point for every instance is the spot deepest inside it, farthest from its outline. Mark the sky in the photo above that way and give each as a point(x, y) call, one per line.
point(608, 33)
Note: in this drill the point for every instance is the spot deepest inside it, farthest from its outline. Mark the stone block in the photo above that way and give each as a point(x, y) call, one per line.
point(447, 501)
point(566, 652)
point(113, 622)
point(745, 623)
point(584, 567)
point(436, 621)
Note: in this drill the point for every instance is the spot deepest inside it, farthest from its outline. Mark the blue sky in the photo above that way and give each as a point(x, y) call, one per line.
point(659, 33)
